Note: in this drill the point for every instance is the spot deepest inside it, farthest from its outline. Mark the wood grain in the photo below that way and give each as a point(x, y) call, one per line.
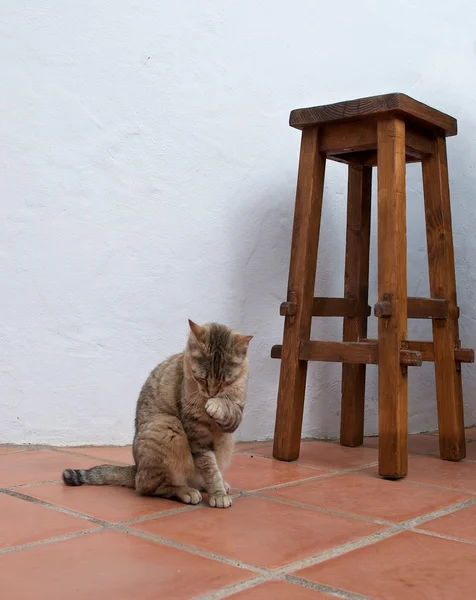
point(399, 105)
point(465, 355)
point(356, 288)
point(337, 138)
point(334, 307)
point(443, 285)
point(366, 352)
point(427, 308)
point(302, 274)
point(358, 137)
point(365, 158)
point(392, 284)
point(359, 353)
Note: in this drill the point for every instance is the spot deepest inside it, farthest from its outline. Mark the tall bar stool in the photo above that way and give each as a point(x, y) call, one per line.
point(387, 132)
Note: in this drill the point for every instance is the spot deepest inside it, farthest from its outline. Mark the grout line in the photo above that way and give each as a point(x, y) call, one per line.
point(264, 457)
point(192, 549)
point(443, 512)
point(324, 510)
point(295, 581)
point(93, 456)
point(325, 589)
point(409, 524)
point(442, 536)
point(164, 513)
point(287, 484)
point(327, 475)
point(261, 493)
point(234, 589)
point(123, 525)
point(298, 465)
point(60, 538)
point(22, 486)
point(427, 485)
point(66, 511)
point(336, 551)
point(395, 529)
point(263, 573)
point(236, 494)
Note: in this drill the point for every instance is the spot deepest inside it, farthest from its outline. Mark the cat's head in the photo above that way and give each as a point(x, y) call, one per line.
point(217, 356)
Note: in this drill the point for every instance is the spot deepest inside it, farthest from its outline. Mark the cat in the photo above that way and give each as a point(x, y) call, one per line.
point(186, 414)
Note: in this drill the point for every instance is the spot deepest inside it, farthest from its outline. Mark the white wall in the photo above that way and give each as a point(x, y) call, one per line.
point(147, 176)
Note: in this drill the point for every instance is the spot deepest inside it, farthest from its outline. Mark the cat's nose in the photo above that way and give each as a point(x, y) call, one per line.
point(213, 390)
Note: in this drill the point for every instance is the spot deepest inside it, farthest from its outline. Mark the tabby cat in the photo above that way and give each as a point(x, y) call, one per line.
point(186, 414)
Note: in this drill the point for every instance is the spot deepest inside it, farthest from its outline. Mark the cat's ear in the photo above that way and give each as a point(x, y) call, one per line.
point(196, 330)
point(242, 341)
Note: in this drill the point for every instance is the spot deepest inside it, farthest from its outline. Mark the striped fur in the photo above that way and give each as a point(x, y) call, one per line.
point(186, 414)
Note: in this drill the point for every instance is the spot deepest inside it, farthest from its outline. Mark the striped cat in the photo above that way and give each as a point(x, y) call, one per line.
point(186, 414)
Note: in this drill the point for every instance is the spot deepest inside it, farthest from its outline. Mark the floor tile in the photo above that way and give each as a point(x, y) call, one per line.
point(245, 446)
point(109, 503)
point(279, 590)
point(260, 532)
point(23, 522)
point(409, 566)
point(34, 466)
point(332, 455)
point(427, 445)
point(248, 472)
point(121, 454)
point(444, 473)
point(461, 524)
point(394, 501)
point(112, 565)
point(8, 449)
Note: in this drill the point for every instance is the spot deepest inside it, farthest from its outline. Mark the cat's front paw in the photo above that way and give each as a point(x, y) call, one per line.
point(189, 495)
point(220, 500)
point(215, 409)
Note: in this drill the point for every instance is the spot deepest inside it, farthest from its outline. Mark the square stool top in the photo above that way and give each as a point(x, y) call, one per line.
point(373, 107)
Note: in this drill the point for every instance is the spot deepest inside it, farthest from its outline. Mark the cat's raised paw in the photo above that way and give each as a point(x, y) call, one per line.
point(220, 501)
point(189, 495)
point(214, 409)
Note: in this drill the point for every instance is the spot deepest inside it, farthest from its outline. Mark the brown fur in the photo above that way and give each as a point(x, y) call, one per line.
point(186, 414)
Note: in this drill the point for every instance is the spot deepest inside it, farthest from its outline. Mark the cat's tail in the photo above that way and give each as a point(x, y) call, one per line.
point(101, 475)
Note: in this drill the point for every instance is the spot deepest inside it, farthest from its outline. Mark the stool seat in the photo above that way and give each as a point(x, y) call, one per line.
point(375, 106)
point(387, 132)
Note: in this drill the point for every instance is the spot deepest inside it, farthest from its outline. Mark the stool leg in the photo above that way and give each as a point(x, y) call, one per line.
point(443, 285)
point(392, 286)
point(302, 275)
point(356, 285)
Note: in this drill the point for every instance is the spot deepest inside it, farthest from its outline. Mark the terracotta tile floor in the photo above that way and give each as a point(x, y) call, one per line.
point(323, 527)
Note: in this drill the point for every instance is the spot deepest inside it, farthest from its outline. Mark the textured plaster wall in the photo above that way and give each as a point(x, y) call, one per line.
point(147, 175)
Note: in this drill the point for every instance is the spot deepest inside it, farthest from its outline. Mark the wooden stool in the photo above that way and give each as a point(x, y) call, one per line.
point(384, 131)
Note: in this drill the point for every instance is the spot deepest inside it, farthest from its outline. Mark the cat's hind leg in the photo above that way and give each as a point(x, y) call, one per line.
point(164, 462)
